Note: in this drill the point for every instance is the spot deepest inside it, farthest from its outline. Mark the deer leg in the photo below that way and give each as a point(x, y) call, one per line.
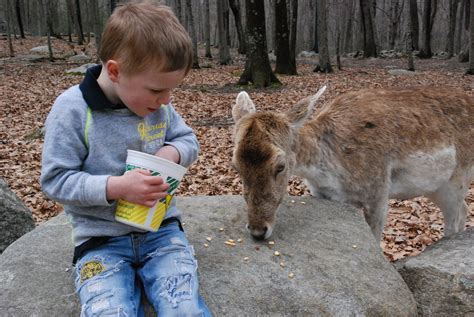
point(450, 199)
point(375, 214)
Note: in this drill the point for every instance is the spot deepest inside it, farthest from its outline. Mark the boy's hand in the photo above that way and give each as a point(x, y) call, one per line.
point(170, 153)
point(137, 186)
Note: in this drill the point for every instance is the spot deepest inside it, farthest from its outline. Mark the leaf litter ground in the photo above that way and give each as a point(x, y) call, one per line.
point(205, 98)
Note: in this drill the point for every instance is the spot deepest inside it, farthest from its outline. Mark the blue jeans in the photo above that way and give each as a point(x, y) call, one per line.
point(109, 277)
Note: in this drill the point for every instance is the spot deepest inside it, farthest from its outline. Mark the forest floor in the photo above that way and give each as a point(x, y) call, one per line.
point(205, 98)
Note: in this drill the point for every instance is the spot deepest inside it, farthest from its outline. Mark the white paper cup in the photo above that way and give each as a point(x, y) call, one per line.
point(144, 217)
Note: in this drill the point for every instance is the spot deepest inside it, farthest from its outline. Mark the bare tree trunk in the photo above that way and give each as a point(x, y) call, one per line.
point(226, 11)
point(9, 35)
point(293, 28)
point(283, 62)
point(76, 9)
point(370, 48)
point(470, 70)
point(459, 28)
point(207, 29)
point(54, 18)
point(395, 15)
point(349, 25)
point(338, 50)
point(257, 67)
point(324, 64)
point(192, 27)
point(425, 47)
point(224, 54)
point(97, 22)
point(45, 6)
point(453, 9)
point(19, 19)
point(270, 25)
point(179, 11)
point(69, 27)
point(409, 42)
point(315, 38)
point(235, 7)
point(415, 26)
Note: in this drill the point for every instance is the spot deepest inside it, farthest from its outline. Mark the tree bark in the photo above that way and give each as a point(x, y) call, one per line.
point(9, 35)
point(179, 12)
point(207, 29)
point(257, 67)
point(429, 13)
point(19, 19)
point(192, 26)
point(370, 48)
point(425, 48)
point(324, 64)
point(453, 9)
point(78, 22)
point(224, 54)
point(283, 62)
point(293, 28)
point(349, 25)
point(45, 6)
point(97, 23)
point(415, 26)
point(470, 70)
point(316, 40)
point(395, 14)
point(409, 42)
point(459, 28)
point(225, 6)
point(235, 7)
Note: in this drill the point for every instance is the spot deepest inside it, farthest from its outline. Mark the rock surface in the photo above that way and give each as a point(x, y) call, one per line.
point(338, 267)
point(401, 72)
point(15, 217)
point(442, 276)
point(81, 70)
point(40, 49)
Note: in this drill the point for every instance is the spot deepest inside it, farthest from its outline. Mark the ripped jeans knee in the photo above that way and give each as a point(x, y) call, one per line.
point(104, 287)
point(174, 286)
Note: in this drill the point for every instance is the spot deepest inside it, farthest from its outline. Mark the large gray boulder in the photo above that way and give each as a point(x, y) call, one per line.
point(442, 276)
point(332, 265)
point(15, 217)
point(40, 49)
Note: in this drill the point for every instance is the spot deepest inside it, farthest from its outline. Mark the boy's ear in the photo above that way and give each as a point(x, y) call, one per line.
point(243, 106)
point(112, 70)
point(303, 109)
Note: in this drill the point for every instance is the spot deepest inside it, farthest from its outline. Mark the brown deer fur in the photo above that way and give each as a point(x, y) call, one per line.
point(362, 148)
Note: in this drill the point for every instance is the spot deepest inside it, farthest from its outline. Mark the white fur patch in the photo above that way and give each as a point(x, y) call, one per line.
point(422, 173)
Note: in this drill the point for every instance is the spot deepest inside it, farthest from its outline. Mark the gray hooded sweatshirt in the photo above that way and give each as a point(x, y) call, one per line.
point(86, 142)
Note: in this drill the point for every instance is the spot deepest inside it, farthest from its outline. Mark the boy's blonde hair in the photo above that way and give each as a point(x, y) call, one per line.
point(143, 35)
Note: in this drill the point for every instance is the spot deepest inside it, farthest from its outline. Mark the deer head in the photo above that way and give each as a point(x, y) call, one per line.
point(264, 156)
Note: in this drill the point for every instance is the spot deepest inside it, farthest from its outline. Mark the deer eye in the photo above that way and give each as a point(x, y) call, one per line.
point(279, 168)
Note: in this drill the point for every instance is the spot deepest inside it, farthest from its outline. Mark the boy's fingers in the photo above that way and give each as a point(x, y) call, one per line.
point(152, 199)
point(143, 172)
point(155, 180)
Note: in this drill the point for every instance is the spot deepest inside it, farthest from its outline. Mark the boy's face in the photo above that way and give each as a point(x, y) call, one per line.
point(145, 92)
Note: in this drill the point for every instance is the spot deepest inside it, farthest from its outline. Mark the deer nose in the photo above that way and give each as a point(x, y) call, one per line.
point(258, 233)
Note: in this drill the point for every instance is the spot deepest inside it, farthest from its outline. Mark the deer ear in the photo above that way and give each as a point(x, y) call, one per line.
point(303, 109)
point(243, 106)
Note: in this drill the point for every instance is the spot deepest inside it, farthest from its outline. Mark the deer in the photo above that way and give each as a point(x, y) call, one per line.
point(363, 148)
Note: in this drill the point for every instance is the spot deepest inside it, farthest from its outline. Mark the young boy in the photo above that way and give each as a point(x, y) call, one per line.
point(125, 104)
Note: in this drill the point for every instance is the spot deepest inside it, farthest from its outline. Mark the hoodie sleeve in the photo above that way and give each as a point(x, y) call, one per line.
point(64, 151)
point(182, 137)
